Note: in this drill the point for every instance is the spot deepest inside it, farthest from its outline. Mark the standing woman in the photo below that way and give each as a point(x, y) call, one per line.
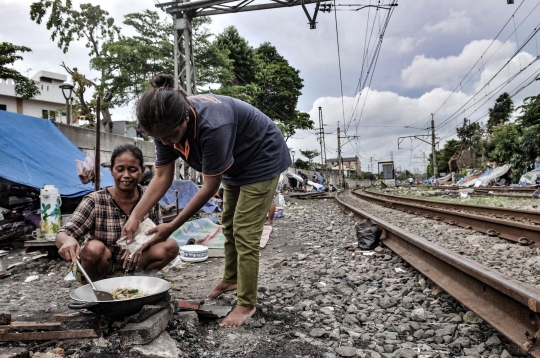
point(232, 143)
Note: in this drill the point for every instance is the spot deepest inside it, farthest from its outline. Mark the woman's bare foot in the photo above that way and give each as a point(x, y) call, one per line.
point(238, 316)
point(221, 288)
point(268, 222)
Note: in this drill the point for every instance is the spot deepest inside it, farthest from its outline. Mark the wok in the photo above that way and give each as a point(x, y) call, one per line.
point(153, 288)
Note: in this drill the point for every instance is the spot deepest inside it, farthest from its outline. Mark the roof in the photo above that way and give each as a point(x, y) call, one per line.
point(51, 75)
point(35, 153)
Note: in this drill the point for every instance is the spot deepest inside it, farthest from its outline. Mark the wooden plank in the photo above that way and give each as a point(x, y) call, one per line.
point(39, 243)
point(32, 326)
point(61, 317)
point(42, 336)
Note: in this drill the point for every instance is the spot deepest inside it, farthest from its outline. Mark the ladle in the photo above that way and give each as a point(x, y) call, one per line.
point(100, 295)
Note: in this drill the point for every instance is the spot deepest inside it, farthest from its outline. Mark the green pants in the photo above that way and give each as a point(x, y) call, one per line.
point(244, 213)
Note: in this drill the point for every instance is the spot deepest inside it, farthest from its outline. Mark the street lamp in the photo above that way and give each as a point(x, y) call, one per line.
point(292, 152)
point(67, 90)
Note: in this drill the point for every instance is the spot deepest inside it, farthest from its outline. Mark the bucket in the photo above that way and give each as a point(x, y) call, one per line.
point(51, 219)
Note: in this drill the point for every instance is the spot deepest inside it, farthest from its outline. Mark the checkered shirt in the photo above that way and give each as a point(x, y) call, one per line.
point(98, 217)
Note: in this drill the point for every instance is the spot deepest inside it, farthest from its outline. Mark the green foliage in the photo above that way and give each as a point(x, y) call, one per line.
point(310, 154)
point(24, 87)
point(530, 111)
point(501, 112)
point(94, 26)
point(301, 164)
point(242, 55)
point(264, 78)
point(368, 175)
point(212, 62)
point(443, 156)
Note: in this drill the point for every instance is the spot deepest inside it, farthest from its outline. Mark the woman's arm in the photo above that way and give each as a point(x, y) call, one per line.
point(155, 191)
point(68, 247)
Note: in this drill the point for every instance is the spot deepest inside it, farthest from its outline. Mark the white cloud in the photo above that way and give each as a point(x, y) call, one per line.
point(384, 119)
point(448, 71)
point(457, 22)
point(408, 44)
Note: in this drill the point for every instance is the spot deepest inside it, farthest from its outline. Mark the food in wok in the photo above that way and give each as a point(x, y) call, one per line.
point(126, 292)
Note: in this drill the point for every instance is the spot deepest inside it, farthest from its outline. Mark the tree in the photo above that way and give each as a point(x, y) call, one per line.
point(244, 63)
point(94, 25)
point(301, 164)
point(470, 147)
point(443, 157)
point(24, 87)
point(501, 112)
point(310, 154)
point(530, 112)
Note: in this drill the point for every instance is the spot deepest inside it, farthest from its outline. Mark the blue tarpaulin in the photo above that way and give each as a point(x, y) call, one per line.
point(34, 152)
point(320, 179)
point(186, 190)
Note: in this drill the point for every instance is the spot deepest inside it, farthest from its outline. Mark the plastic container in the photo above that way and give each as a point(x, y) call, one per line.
point(3, 270)
point(194, 253)
point(51, 218)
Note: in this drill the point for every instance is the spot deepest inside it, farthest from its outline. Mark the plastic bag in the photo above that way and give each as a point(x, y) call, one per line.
point(139, 237)
point(85, 169)
point(368, 235)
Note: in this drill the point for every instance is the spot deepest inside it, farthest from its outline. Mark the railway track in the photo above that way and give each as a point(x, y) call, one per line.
point(503, 213)
point(524, 234)
point(510, 306)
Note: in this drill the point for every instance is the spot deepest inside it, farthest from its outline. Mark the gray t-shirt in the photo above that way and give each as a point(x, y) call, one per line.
point(229, 137)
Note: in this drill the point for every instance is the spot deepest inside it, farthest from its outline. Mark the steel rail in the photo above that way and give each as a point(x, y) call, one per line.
point(505, 213)
point(527, 190)
point(510, 306)
point(510, 230)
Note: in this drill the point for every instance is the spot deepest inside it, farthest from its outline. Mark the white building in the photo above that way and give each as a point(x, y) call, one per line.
point(43, 105)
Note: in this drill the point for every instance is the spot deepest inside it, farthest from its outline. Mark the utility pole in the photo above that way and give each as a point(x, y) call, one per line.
point(391, 156)
point(339, 155)
point(321, 137)
point(435, 169)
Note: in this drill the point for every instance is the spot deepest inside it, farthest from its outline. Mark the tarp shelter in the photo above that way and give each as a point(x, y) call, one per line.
point(320, 179)
point(33, 152)
point(493, 175)
point(186, 190)
point(444, 179)
point(530, 177)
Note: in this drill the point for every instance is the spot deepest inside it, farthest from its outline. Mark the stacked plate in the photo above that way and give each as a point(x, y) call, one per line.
point(194, 253)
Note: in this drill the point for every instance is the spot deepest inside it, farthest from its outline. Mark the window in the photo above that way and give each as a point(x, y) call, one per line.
point(3, 107)
point(48, 114)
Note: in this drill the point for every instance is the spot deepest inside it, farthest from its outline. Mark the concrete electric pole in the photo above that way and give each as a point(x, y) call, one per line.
point(435, 169)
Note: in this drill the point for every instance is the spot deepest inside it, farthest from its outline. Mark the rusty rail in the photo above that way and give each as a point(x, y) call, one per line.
point(510, 306)
point(510, 230)
point(505, 213)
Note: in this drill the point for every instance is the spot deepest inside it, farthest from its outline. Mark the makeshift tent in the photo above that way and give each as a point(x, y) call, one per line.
point(494, 174)
point(34, 153)
point(530, 177)
point(443, 179)
point(320, 179)
point(186, 190)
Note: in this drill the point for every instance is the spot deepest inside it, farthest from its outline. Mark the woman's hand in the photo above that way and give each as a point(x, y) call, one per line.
point(126, 257)
point(70, 250)
point(162, 233)
point(129, 228)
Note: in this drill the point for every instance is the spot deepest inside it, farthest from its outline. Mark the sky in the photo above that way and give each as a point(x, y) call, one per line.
point(449, 58)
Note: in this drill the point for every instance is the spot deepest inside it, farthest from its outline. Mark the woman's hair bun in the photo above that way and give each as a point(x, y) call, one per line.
point(162, 80)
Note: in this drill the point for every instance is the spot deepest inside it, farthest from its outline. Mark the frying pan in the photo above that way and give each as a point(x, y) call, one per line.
point(153, 288)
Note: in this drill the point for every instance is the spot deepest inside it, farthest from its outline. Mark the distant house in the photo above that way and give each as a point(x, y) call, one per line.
point(350, 164)
point(126, 129)
point(50, 103)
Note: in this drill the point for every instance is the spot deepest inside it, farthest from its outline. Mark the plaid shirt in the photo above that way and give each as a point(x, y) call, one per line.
point(98, 217)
